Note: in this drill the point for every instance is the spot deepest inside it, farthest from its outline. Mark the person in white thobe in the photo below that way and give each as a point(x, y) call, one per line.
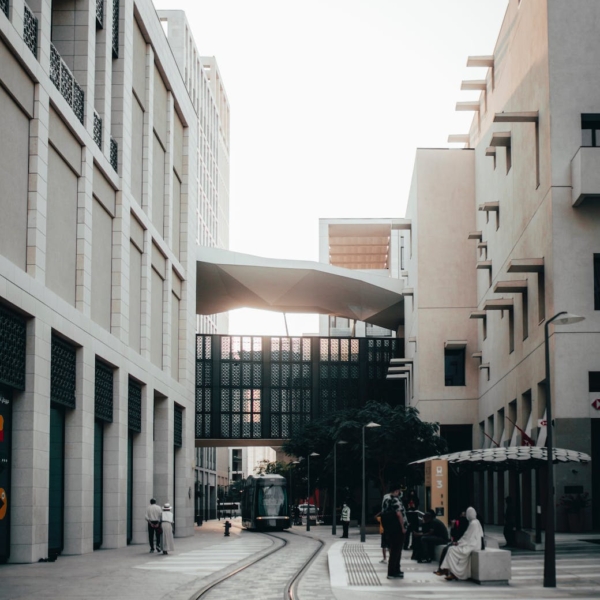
point(458, 558)
point(167, 525)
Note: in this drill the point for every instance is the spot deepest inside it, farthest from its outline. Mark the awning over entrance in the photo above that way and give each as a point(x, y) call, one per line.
point(227, 280)
point(513, 458)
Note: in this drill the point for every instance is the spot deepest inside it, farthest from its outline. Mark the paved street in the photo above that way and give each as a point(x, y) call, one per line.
point(132, 573)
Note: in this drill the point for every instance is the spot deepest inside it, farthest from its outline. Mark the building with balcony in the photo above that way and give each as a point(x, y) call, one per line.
point(207, 93)
point(505, 234)
point(113, 168)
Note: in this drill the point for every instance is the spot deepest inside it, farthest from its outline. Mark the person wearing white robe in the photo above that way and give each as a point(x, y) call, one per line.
point(167, 525)
point(458, 558)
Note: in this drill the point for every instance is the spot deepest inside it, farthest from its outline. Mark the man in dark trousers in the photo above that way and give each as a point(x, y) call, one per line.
point(393, 519)
point(435, 533)
point(345, 520)
point(153, 517)
point(509, 523)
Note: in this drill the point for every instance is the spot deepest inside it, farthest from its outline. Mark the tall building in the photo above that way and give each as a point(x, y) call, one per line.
point(505, 236)
point(111, 174)
point(204, 84)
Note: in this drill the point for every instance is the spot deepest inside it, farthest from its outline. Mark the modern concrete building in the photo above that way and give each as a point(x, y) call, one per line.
point(207, 93)
point(374, 246)
point(505, 235)
point(114, 167)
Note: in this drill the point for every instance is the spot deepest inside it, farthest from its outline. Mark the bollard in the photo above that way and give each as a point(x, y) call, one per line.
point(227, 527)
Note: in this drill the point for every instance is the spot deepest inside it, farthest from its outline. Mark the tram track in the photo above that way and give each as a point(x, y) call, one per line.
point(290, 591)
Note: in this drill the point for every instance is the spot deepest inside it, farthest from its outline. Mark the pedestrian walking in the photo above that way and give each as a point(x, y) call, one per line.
point(153, 518)
point(393, 519)
point(168, 529)
point(345, 519)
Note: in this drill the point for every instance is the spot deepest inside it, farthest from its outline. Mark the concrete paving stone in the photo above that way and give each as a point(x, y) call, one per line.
point(132, 573)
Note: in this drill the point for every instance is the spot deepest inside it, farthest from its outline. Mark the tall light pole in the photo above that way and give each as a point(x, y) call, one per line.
point(561, 318)
point(291, 498)
point(364, 488)
point(308, 492)
point(333, 522)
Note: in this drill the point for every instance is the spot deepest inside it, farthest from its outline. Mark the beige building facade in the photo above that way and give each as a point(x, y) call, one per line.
point(505, 235)
point(103, 205)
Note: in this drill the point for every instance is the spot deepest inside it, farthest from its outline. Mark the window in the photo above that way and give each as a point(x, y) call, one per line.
point(596, 281)
point(454, 367)
point(590, 130)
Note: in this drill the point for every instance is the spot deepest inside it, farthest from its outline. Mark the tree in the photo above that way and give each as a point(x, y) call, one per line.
point(401, 439)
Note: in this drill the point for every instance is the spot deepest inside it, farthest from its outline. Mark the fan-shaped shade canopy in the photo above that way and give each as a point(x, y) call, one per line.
point(226, 280)
point(513, 458)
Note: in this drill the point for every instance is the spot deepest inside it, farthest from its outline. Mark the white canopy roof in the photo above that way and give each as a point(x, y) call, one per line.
point(226, 280)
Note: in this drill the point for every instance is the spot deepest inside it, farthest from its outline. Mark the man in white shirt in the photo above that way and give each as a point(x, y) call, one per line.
point(153, 517)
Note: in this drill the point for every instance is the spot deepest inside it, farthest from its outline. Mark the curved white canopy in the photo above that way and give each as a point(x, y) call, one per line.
point(508, 458)
point(226, 280)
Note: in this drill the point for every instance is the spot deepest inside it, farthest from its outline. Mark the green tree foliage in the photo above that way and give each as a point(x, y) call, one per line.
point(401, 439)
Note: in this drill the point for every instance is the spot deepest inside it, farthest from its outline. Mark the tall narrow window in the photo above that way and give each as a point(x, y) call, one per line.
point(590, 130)
point(596, 281)
point(454, 367)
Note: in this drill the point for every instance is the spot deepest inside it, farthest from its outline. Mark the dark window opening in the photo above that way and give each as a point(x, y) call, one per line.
point(594, 381)
point(596, 281)
point(454, 367)
point(590, 130)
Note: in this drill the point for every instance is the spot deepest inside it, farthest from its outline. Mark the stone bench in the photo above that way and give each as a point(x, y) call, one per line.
point(490, 566)
point(489, 543)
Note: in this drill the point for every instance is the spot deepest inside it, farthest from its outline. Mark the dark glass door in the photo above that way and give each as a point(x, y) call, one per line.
point(5, 463)
point(98, 481)
point(56, 501)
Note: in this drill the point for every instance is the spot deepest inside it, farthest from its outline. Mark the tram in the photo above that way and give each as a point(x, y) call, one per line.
point(264, 503)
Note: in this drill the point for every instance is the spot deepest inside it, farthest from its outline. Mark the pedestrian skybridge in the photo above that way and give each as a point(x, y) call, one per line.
point(253, 388)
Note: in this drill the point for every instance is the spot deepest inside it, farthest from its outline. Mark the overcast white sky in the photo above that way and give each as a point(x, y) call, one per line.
point(329, 100)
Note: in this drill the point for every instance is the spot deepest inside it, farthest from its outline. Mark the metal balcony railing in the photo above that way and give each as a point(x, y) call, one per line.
point(30, 28)
point(115, 29)
point(97, 129)
point(4, 6)
point(63, 79)
point(114, 153)
point(99, 14)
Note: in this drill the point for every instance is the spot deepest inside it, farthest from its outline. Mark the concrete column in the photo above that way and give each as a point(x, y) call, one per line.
point(30, 451)
point(103, 68)
point(121, 86)
point(143, 467)
point(37, 199)
point(83, 281)
point(79, 460)
point(115, 467)
point(148, 135)
point(119, 322)
point(184, 478)
point(163, 448)
point(42, 9)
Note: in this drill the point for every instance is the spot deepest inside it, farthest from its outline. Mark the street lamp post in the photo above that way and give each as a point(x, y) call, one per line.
point(333, 522)
point(561, 318)
point(291, 498)
point(308, 492)
point(364, 489)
